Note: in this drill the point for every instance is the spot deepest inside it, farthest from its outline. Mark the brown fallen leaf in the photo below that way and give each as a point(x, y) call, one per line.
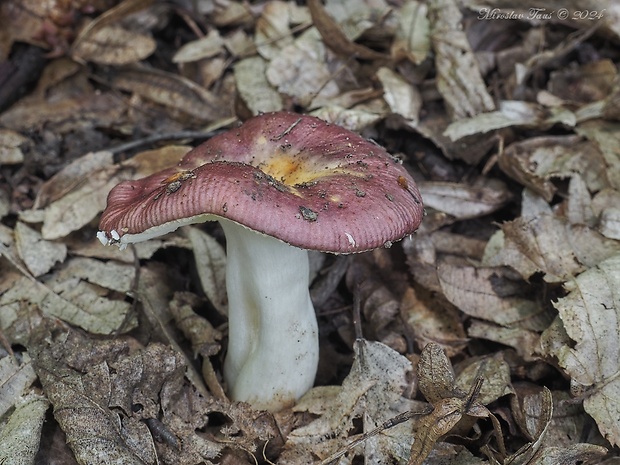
point(590, 315)
point(412, 38)
point(537, 161)
point(202, 335)
point(21, 433)
point(464, 201)
point(182, 97)
point(335, 39)
point(106, 42)
point(450, 403)
point(254, 88)
point(402, 97)
point(301, 71)
point(372, 394)
point(458, 76)
point(492, 294)
point(38, 255)
point(433, 320)
point(82, 406)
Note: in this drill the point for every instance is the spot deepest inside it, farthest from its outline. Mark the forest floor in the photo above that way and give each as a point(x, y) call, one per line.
point(490, 336)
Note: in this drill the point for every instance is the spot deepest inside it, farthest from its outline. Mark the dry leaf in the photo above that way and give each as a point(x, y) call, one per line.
point(458, 76)
point(356, 119)
point(273, 32)
point(77, 302)
point(511, 113)
point(491, 293)
point(210, 260)
point(206, 47)
point(588, 83)
point(464, 201)
point(541, 241)
point(10, 147)
point(575, 454)
point(496, 374)
point(605, 208)
point(525, 342)
point(579, 203)
point(38, 255)
point(538, 427)
point(412, 38)
point(433, 321)
point(402, 97)
point(536, 161)
point(177, 94)
point(436, 376)
point(106, 42)
point(203, 337)
point(77, 195)
point(113, 45)
point(545, 242)
point(93, 107)
point(72, 176)
point(15, 379)
point(371, 392)
point(334, 37)
point(300, 70)
point(590, 314)
point(83, 401)
point(449, 402)
point(21, 434)
point(254, 88)
point(606, 136)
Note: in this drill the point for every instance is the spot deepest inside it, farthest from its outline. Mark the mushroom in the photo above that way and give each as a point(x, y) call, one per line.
point(280, 184)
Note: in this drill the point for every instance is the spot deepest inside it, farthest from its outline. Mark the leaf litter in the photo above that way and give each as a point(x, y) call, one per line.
point(491, 336)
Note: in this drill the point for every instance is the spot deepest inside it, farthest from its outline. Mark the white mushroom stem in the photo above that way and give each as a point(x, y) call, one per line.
point(273, 346)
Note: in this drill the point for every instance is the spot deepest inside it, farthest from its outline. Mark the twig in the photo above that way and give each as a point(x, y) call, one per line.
point(149, 140)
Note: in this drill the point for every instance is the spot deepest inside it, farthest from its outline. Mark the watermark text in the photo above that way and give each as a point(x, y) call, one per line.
point(539, 14)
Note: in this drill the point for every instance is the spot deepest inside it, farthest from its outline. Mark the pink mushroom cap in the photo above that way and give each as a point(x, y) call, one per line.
point(311, 184)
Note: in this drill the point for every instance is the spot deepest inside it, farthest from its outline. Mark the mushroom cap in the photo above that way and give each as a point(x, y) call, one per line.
point(311, 184)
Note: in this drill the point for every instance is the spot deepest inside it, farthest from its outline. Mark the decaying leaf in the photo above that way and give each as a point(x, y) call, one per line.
point(412, 39)
point(458, 75)
point(492, 294)
point(450, 403)
point(211, 266)
point(180, 95)
point(371, 393)
point(534, 162)
point(21, 434)
point(113, 45)
point(590, 315)
point(79, 401)
point(15, 379)
point(605, 134)
point(402, 97)
point(71, 300)
point(253, 86)
point(335, 38)
point(433, 321)
point(300, 70)
point(509, 124)
point(462, 201)
point(203, 337)
point(38, 255)
point(208, 46)
point(273, 27)
point(10, 143)
point(106, 42)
